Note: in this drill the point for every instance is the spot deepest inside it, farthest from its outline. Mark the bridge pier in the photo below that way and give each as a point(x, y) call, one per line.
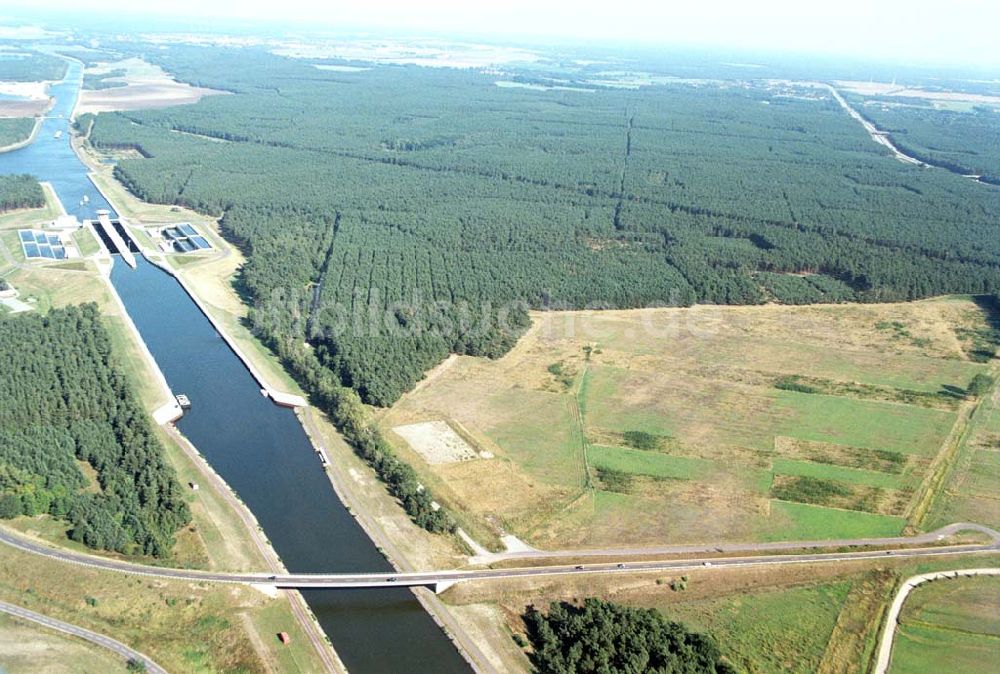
point(441, 586)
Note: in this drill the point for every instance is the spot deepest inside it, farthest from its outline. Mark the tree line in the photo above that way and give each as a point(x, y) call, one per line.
point(20, 191)
point(15, 129)
point(28, 66)
point(965, 142)
point(601, 636)
point(65, 404)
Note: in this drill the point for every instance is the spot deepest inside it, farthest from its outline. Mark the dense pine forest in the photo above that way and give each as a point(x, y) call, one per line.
point(74, 441)
point(107, 80)
point(600, 636)
point(966, 142)
point(398, 214)
point(15, 129)
point(31, 67)
point(20, 191)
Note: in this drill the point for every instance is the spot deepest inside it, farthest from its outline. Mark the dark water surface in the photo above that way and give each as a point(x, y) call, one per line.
point(259, 448)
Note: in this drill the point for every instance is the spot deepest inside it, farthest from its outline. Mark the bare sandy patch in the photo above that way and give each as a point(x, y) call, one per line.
point(29, 108)
point(31, 90)
point(437, 442)
point(32, 99)
point(141, 97)
point(424, 52)
point(144, 86)
point(890, 89)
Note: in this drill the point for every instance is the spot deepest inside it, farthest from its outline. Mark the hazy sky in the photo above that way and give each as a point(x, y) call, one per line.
point(956, 31)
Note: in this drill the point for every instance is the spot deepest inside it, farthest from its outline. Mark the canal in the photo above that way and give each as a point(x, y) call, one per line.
point(260, 449)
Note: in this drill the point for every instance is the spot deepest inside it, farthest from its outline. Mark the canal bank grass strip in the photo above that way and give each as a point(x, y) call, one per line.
point(52, 200)
point(202, 281)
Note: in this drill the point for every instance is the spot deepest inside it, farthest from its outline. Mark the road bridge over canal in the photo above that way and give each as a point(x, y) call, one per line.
point(440, 580)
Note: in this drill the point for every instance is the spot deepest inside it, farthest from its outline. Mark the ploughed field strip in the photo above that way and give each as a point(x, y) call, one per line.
point(686, 425)
point(447, 198)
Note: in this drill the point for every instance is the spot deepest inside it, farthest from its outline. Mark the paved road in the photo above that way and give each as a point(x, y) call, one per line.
point(880, 137)
point(920, 539)
point(885, 648)
point(440, 580)
point(93, 637)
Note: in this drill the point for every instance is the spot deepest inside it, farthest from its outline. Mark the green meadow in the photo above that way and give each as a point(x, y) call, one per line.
point(712, 423)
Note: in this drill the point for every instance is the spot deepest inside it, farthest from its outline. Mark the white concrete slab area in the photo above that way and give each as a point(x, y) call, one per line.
point(167, 413)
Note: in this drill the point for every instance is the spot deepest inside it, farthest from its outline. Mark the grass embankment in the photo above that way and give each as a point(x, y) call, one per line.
point(126, 205)
point(86, 242)
point(199, 279)
point(214, 280)
point(681, 425)
point(210, 278)
point(54, 287)
point(183, 626)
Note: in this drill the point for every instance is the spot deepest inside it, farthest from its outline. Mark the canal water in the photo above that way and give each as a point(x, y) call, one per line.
point(52, 159)
point(260, 449)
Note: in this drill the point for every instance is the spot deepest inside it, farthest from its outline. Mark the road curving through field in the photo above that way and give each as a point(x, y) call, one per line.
point(129, 654)
point(892, 620)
